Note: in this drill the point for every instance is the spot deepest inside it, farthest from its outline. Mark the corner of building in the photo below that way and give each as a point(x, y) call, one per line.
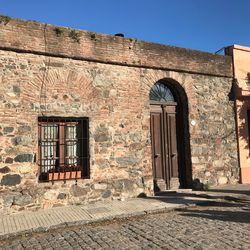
point(241, 68)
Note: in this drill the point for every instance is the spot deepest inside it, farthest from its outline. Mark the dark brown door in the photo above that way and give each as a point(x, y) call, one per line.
point(164, 145)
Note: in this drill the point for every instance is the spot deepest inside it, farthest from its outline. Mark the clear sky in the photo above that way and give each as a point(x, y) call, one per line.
point(206, 25)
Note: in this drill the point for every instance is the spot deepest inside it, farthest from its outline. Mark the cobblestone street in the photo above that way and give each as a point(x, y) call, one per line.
point(224, 225)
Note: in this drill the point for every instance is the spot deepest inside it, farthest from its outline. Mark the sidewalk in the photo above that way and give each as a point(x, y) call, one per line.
point(44, 220)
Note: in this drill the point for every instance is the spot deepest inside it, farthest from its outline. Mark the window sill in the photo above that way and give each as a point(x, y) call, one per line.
point(65, 175)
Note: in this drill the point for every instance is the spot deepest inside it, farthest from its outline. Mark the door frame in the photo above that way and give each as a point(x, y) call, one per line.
point(182, 128)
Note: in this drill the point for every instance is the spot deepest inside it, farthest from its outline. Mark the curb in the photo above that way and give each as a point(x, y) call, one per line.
point(210, 199)
point(89, 222)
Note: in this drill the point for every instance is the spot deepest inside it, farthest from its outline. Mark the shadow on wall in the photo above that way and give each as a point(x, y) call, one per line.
point(243, 112)
point(198, 185)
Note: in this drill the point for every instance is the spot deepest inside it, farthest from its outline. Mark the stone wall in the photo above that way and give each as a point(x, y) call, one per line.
point(114, 95)
point(213, 138)
point(211, 126)
point(120, 164)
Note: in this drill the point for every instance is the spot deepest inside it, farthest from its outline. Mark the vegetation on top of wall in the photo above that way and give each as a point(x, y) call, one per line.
point(58, 31)
point(93, 36)
point(75, 36)
point(133, 39)
point(4, 19)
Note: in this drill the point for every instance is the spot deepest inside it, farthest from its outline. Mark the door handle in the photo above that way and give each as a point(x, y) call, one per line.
point(172, 155)
point(157, 155)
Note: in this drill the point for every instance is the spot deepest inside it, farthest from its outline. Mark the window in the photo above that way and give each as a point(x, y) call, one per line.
point(161, 93)
point(63, 148)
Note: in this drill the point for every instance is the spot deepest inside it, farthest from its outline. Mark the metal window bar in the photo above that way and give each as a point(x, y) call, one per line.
point(63, 148)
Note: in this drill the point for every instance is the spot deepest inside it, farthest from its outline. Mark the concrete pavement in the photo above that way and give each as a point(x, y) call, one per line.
point(44, 220)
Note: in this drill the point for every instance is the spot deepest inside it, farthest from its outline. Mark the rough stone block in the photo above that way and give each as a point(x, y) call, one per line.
point(9, 160)
point(101, 137)
point(218, 163)
point(11, 180)
point(22, 200)
point(21, 140)
point(51, 195)
point(100, 186)
point(24, 129)
point(222, 180)
point(102, 134)
point(25, 169)
point(24, 158)
point(77, 191)
point(127, 160)
point(8, 130)
point(5, 170)
point(106, 194)
point(8, 198)
point(61, 196)
point(16, 90)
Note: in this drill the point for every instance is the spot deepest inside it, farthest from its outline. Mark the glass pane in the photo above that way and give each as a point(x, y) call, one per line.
point(71, 144)
point(49, 142)
point(161, 93)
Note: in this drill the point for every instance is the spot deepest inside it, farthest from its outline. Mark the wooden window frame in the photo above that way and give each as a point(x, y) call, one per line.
point(57, 146)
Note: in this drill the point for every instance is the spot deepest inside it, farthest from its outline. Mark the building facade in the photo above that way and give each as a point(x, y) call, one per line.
point(87, 117)
point(241, 66)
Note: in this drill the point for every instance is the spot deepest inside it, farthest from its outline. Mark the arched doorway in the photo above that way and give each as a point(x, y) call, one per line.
point(169, 136)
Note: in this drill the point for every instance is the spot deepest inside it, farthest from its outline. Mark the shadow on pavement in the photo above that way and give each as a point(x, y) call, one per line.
point(177, 198)
point(211, 205)
point(201, 199)
point(239, 216)
point(245, 192)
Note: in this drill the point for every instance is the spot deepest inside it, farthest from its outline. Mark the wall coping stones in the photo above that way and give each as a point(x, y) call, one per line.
point(44, 39)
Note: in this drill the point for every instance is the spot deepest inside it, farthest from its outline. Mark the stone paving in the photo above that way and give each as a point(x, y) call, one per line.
point(222, 225)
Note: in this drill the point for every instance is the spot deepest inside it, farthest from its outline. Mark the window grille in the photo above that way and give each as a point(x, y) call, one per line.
point(63, 148)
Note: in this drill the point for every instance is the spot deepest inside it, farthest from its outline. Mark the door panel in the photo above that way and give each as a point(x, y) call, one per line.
point(173, 145)
point(156, 128)
point(164, 145)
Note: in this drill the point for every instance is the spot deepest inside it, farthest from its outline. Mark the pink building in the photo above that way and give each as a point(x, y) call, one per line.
point(241, 69)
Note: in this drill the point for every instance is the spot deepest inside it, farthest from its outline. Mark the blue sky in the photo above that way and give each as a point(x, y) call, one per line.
point(206, 25)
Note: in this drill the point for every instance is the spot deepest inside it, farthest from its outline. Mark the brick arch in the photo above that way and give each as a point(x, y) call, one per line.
point(61, 82)
point(179, 90)
point(185, 81)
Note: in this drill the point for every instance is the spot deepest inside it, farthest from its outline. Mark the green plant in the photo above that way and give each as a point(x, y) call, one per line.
point(75, 36)
point(58, 31)
point(132, 39)
point(4, 19)
point(207, 186)
point(93, 36)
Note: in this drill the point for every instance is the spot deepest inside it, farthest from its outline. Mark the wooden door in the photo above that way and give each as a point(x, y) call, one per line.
point(164, 145)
